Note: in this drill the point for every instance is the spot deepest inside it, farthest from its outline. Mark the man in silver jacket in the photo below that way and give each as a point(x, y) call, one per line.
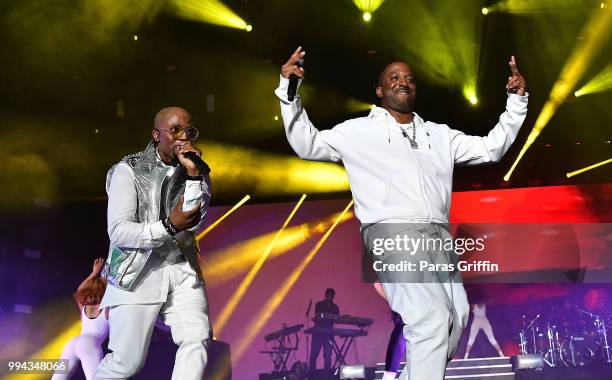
point(400, 171)
point(157, 198)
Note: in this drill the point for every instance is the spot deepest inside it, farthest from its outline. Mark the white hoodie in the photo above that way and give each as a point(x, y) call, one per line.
point(390, 181)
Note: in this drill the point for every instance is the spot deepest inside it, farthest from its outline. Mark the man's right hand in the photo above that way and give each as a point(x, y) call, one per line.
point(182, 220)
point(291, 66)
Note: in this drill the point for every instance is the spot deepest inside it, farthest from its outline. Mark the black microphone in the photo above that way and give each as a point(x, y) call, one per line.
point(199, 162)
point(309, 305)
point(293, 82)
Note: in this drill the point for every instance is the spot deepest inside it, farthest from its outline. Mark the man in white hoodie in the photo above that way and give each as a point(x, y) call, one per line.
point(400, 170)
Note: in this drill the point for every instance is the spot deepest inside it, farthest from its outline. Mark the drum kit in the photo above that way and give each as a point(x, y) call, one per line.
point(570, 337)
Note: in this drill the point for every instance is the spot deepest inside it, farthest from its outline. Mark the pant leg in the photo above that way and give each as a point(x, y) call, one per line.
point(327, 352)
point(428, 323)
point(488, 330)
point(130, 329)
point(317, 344)
point(474, 330)
point(69, 353)
point(186, 312)
point(396, 349)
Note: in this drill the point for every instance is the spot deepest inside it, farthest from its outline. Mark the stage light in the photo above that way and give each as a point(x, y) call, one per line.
point(228, 213)
point(485, 11)
point(269, 174)
point(233, 302)
point(353, 371)
point(579, 171)
point(367, 7)
point(135, 37)
point(275, 118)
point(266, 311)
point(469, 92)
point(530, 361)
point(600, 83)
point(595, 34)
point(210, 12)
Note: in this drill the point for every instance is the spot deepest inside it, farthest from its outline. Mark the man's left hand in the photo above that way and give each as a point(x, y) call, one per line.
point(516, 83)
point(192, 169)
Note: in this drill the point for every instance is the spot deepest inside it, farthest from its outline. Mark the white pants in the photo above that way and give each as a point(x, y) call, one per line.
point(83, 348)
point(131, 326)
point(435, 313)
point(435, 316)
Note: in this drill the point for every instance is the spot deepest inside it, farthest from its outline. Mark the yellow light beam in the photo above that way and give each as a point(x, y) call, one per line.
point(270, 174)
point(228, 213)
point(258, 322)
point(231, 305)
point(531, 7)
point(209, 11)
point(354, 105)
point(232, 261)
point(595, 34)
point(579, 171)
point(600, 83)
point(51, 350)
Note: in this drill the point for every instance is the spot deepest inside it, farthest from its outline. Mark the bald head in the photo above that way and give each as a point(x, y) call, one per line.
point(167, 122)
point(169, 116)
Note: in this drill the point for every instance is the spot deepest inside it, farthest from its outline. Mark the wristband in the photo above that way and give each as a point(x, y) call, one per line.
point(198, 178)
point(169, 226)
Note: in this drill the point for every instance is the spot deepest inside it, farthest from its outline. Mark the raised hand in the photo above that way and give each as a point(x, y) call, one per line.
point(97, 266)
point(190, 166)
point(516, 83)
point(291, 66)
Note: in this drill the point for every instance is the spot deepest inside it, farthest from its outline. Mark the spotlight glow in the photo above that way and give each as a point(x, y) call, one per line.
point(485, 11)
point(443, 43)
point(469, 92)
point(530, 6)
point(595, 34)
point(600, 83)
point(354, 106)
point(368, 7)
point(210, 12)
point(270, 174)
